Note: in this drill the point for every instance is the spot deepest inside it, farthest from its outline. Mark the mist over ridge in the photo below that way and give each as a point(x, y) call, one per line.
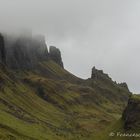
point(69, 69)
point(104, 34)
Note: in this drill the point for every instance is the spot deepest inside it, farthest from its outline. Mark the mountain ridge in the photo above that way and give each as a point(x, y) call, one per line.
point(41, 100)
point(26, 51)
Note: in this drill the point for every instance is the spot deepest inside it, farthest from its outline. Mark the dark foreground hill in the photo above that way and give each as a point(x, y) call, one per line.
point(40, 100)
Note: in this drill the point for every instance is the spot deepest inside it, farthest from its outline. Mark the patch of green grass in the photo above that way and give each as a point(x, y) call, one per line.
point(135, 96)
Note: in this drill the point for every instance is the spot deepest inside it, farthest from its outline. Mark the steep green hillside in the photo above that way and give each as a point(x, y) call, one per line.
point(40, 100)
point(49, 103)
point(126, 128)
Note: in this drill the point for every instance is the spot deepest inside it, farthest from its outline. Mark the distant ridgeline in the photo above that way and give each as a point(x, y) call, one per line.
point(26, 51)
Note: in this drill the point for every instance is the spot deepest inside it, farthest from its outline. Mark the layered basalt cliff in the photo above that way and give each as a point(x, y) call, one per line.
point(2, 50)
point(26, 51)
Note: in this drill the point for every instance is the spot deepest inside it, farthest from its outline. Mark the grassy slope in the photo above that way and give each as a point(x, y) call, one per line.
point(118, 128)
point(118, 131)
point(52, 105)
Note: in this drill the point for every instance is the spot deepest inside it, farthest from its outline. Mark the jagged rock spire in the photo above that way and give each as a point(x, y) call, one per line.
point(96, 73)
point(55, 55)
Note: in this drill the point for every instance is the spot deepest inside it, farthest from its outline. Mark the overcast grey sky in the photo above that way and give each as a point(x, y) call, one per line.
point(101, 33)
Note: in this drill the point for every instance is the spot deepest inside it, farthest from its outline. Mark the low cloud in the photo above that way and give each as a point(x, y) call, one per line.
point(92, 32)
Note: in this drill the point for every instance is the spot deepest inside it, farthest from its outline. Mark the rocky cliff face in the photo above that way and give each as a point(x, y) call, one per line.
point(25, 51)
point(2, 50)
point(124, 85)
point(99, 74)
point(55, 55)
point(131, 114)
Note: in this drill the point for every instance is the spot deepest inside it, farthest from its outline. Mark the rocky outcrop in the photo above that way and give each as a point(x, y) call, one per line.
point(99, 74)
point(2, 50)
point(55, 55)
point(124, 85)
point(131, 114)
point(25, 52)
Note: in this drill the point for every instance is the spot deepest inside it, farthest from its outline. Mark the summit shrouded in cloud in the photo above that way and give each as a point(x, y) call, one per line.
point(93, 32)
point(69, 70)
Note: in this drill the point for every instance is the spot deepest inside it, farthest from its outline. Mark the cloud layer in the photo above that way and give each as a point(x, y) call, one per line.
point(104, 33)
